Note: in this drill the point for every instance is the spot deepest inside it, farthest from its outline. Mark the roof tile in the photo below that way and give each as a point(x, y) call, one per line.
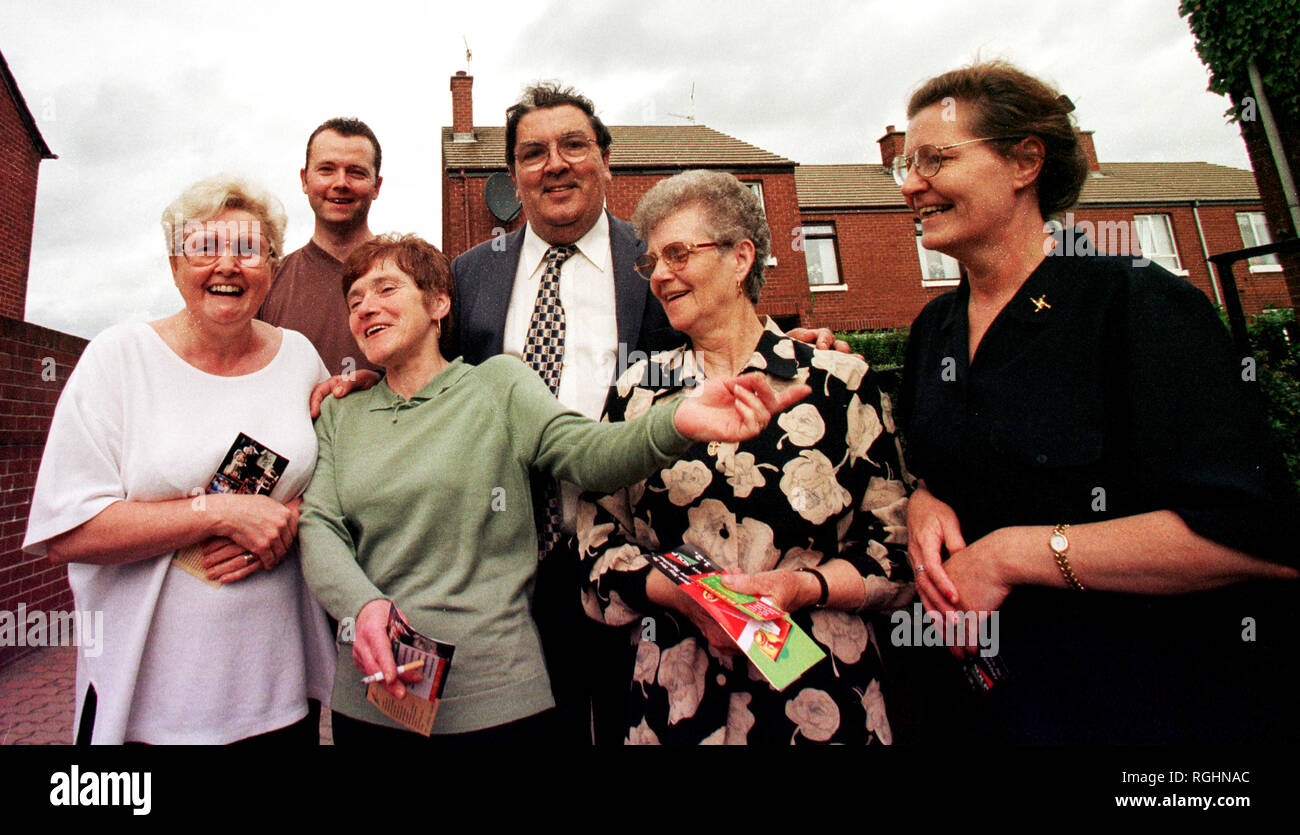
point(870, 186)
point(635, 146)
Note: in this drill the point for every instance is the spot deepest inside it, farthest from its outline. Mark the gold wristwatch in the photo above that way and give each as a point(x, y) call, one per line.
point(1060, 545)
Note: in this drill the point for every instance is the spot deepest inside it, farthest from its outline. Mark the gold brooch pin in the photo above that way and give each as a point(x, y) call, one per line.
point(1040, 303)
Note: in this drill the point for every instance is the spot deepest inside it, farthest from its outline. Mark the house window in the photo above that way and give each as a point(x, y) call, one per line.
point(1254, 232)
point(1156, 237)
point(757, 188)
point(937, 269)
point(819, 251)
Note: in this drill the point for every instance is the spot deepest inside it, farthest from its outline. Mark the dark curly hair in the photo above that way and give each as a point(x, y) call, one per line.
point(546, 94)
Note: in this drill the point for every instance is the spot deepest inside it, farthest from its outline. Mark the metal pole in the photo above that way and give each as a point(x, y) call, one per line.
point(1205, 252)
point(1275, 148)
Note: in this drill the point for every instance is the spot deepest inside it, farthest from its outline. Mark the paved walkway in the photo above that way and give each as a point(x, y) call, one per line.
point(37, 699)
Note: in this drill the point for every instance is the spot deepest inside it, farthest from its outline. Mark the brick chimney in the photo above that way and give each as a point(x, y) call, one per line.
point(891, 145)
point(1085, 142)
point(462, 107)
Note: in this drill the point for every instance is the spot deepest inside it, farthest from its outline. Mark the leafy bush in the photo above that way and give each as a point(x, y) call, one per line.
point(883, 349)
point(1275, 341)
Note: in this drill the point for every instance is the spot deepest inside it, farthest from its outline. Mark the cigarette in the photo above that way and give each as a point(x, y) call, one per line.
point(407, 667)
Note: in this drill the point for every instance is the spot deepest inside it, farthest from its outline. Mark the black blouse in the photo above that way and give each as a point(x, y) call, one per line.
point(1104, 390)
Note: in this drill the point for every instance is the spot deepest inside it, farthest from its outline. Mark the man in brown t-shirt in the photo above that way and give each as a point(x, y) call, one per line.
point(341, 179)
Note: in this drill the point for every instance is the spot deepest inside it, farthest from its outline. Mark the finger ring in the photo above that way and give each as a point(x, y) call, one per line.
point(919, 568)
point(248, 559)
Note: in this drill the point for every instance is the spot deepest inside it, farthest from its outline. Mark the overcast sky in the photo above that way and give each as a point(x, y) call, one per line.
point(139, 99)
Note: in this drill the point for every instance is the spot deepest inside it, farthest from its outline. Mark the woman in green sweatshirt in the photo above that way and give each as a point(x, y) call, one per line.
point(421, 498)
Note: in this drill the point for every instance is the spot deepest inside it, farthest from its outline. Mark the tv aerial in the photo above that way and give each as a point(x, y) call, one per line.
point(691, 117)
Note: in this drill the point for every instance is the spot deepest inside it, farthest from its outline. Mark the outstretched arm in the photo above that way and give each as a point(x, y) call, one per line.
point(823, 338)
point(733, 408)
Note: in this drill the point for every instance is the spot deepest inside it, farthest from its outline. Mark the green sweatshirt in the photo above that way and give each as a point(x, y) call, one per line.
point(427, 502)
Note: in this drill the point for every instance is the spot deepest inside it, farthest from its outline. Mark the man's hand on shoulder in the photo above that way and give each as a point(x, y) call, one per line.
point(823, 338)
point(341, 386)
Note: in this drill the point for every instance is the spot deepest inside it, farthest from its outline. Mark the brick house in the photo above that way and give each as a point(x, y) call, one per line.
point(35, 362)
point(641, 156)
point(845, 245)
point(1178, 213)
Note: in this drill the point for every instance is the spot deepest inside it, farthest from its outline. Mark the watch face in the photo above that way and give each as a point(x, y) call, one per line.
point(1059, 542)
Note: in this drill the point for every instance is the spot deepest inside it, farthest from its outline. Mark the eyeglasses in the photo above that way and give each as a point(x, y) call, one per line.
point(205, 249)
point(928, 159)
point(572, 148)
point(675, 255)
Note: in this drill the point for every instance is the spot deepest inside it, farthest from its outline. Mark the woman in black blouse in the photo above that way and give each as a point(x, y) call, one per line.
point(810, 513)
point(1092, 464)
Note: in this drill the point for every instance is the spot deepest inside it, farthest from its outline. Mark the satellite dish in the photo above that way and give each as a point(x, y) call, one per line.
point(501, 200)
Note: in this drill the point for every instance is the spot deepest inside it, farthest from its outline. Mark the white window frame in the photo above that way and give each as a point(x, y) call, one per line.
point(757, 188)
point(824, 232)
point(951, 268)
point(1257, 223)
point(1144, 226)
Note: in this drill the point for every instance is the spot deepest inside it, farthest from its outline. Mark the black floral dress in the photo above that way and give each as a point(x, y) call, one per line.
point(823, 481)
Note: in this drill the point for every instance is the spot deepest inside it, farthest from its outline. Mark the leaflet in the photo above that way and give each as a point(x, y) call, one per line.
point(768, 637)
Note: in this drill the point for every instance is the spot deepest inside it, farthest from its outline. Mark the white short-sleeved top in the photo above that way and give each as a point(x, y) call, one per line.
point(180, 661)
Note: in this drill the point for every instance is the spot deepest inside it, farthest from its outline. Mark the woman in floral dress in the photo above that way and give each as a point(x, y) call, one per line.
point(810, 514)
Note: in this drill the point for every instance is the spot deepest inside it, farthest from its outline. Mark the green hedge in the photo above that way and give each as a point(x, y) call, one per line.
point(883, 349)
point(1275, 341)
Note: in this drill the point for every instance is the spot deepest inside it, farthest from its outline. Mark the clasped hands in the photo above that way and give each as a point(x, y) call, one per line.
point(257, 533)
point(968, 581)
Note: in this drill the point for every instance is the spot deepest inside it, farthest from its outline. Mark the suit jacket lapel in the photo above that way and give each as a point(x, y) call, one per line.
point(494, 294)
point(629, 288)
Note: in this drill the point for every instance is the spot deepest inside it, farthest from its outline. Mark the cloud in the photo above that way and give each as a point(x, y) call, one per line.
point(139, 99)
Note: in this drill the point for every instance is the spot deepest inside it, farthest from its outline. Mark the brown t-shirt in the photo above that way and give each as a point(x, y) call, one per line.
point(307, 296)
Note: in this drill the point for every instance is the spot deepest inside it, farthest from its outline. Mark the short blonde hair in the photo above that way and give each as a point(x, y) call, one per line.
point(209, 197)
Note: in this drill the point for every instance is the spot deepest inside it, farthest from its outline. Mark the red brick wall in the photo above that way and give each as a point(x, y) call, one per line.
point(27, 402)
point(786, 293)
point(1266, 177)
point(466, 220)
point(882, 272)
point(1219, 223)
point(879, 266)
point(462, 103)
point(18, 168)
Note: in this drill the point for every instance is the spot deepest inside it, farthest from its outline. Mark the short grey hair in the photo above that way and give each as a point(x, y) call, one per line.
point(207, 198)
point(732, 214)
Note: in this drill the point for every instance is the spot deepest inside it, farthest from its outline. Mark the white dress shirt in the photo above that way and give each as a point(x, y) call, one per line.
point(590, 323)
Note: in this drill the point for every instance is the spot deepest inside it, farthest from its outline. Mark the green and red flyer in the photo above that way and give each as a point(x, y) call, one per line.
point(768, 637)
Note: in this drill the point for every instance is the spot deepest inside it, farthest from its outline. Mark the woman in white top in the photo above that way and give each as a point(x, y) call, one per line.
point(141, 427)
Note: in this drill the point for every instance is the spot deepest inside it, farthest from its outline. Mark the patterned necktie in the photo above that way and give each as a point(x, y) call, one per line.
point(544, 347)
point(544, 353)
